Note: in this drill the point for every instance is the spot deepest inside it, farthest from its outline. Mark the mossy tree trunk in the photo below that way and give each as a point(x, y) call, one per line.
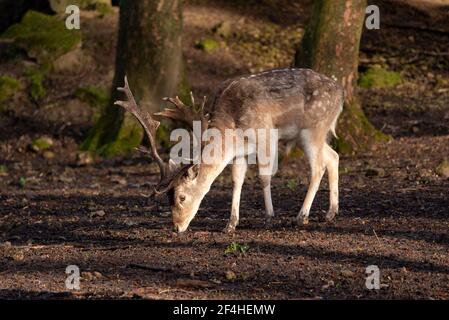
point(149, 52)
point(331, 46)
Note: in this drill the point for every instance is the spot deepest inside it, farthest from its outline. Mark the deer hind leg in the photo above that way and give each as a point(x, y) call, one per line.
point(239, 168)
point(331, 160)
point(265, 180)
point(267, 159)
point(313, 147)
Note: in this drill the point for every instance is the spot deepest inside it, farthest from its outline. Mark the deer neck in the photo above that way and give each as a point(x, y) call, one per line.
point(209, 172)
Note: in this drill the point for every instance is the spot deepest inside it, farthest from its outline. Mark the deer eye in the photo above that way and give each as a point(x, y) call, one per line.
point(182, 198)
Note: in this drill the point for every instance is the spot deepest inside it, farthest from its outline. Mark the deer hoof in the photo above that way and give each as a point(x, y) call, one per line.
point(330, 216)
point(302, 220)
point(229, 229)
point(268, 222)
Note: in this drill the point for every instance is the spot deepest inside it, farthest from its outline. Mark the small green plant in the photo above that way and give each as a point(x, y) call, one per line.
point(22, 182)
point(3, 169)
point(8, 86)
point(236, 247)
point(207, 45)
point(292, 184)
point(36, 77)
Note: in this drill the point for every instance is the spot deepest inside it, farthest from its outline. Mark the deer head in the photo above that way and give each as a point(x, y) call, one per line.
point(181, 183)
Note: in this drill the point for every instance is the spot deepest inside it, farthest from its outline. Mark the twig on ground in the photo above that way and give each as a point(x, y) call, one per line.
point(150, 268)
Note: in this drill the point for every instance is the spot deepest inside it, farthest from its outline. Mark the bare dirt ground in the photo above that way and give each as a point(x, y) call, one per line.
point(394, 209)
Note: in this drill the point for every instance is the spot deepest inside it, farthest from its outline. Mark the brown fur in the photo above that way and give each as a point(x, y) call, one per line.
point(301, 103)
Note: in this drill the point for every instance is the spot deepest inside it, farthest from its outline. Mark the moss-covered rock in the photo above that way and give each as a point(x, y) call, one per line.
point(95, 97)
point(377, 77)
point(43, 37)
point(207, 45)
point(8, 86)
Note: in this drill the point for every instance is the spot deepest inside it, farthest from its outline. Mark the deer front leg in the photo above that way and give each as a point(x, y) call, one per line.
point(317, 170)
point(331, 160)
point(239, 168)
point(266, 185)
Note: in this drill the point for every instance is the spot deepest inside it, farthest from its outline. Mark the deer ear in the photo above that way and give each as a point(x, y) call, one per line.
point(193, 171)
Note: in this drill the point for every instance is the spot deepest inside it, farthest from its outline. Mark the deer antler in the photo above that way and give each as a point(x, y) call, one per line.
point(186, 114)
point(167, 169)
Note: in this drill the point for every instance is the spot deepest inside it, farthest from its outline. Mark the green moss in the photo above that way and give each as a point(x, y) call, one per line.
point(207, 45)
point(8, 86)
point(117, 132)
point(91, 142)
point(42, 36)
point(36, 77)
point(130, 136)
point(163, 135)
point(292, 184)
point(95, 97)
point(184, 86)
point(378, 77)
point(61, 5)
point(42, 143)
point(236, 247)
point(355, 132)
point(22, 182)
point(103, 8)
point(98, 142)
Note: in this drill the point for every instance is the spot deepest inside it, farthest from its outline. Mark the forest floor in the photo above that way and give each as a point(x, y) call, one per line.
point(394, 208)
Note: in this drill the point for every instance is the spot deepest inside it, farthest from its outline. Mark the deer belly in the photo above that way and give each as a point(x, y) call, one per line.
point(290, 132)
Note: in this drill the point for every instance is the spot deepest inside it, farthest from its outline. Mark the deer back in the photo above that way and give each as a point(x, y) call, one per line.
point(279, 98)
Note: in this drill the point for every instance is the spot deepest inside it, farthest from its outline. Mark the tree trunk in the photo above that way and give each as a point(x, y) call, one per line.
point(331, 46)
point(149, 52)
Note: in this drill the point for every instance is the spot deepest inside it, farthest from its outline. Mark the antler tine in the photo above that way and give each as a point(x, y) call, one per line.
point(143, 150)
point(183, 112)
point(148, 123)
point(176, 102)
point(204, 103)
point(192, 99)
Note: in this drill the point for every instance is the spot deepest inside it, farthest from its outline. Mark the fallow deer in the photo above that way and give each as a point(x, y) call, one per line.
point(303, 105)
